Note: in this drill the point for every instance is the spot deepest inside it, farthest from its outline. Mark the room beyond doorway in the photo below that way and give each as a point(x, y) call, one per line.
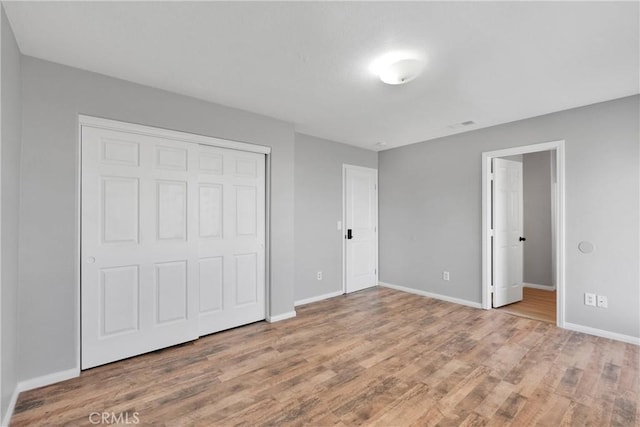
point(537, 304)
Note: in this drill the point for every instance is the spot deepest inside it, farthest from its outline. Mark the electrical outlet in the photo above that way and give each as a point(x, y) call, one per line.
point(319, 275)
point(445, 276)
point(602, 301)
point(590, 299)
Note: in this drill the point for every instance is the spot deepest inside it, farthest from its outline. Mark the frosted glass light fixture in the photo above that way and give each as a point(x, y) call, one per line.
point(397, 68)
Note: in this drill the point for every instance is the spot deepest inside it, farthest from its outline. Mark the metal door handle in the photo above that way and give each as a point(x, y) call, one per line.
point(522, 239)
point(349, 234)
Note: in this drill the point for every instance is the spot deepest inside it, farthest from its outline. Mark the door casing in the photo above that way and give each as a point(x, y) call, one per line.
point(558, 213)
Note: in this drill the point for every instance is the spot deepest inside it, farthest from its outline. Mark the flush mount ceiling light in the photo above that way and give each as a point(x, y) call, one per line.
point(397, 68)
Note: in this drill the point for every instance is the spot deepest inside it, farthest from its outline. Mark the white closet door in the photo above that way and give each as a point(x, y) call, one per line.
point(139, 255)
point(231, 265)
point(173, 240)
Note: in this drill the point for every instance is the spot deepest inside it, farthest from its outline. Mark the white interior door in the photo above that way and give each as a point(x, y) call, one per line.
point(172, 242)
point(507, 231)
point(361, 227)
point(231, 266)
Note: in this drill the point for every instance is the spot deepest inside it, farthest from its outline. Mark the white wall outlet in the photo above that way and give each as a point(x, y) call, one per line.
point(590, 299)
point(319, 275)
point(602, 301)
point(445, 276)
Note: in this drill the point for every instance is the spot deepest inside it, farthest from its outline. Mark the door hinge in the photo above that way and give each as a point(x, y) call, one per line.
point(375, 271)
point(490, 233)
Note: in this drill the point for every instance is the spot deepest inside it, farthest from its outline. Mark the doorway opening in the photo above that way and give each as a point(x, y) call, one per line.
point(523, 231)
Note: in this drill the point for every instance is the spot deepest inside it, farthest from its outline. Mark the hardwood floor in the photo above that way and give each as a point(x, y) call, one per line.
point(536, 304)
point(375, 357)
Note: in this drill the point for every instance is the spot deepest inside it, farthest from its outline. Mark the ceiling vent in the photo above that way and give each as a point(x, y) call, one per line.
point(462, 124)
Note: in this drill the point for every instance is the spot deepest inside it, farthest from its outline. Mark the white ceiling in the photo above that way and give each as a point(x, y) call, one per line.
point(307, 62)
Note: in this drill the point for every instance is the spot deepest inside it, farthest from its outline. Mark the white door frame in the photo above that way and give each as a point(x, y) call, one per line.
point(559, 215)
point(344, 222)
point(101, 123)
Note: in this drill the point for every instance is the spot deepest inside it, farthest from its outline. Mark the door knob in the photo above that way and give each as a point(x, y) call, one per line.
point(522, 239)
point(349, 234)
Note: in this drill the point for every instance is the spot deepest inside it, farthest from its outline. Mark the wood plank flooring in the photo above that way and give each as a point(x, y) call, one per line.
point(376, 357)
point(536, 304)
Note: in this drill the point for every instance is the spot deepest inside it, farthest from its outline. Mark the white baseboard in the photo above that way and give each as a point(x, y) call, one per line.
point(602, 333)
point(571, 326)
point(317, 298)
point(536, 286)
point(279, 317)
point(32, 383)
point(44, 380)
point(12, 404)
point(432, 295)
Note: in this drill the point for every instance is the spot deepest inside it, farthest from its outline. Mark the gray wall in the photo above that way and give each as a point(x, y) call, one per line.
point(430, 209)
point(53, 96)
point(318, 208)
point(537, 218)
point(10, 170)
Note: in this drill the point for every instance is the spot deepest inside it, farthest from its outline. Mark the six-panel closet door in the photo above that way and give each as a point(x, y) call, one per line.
point(172, 241)
point(231, 239)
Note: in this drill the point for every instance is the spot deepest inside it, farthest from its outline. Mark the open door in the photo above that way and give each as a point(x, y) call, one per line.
point(507, 232)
